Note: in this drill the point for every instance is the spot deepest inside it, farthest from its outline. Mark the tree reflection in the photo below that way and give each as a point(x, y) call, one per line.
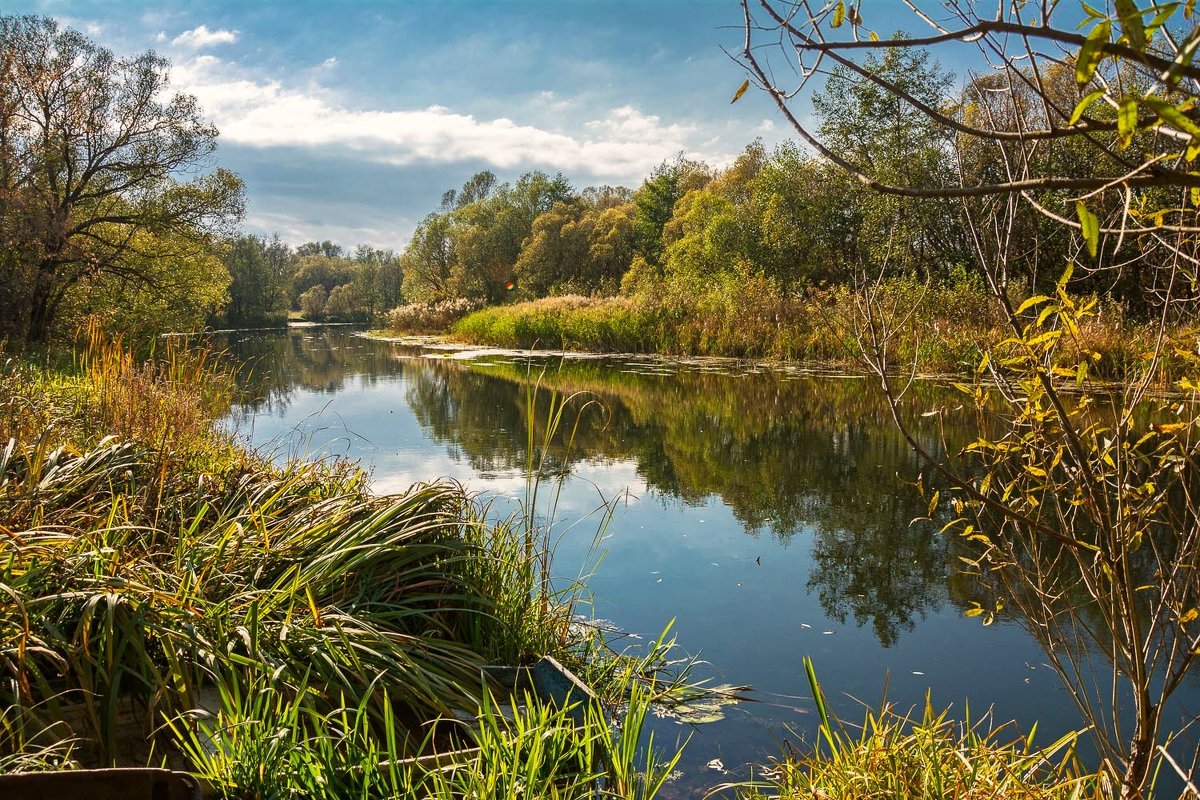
point(787, 453)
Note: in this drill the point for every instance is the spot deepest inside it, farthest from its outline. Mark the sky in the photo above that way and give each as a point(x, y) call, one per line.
point(348, 119)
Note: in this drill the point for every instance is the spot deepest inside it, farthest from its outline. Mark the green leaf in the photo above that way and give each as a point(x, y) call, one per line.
point(1166, 11)
point(1127, 114)
point(1092, 52)
point(741, 90)
point(1082, 105)
point(839, 14)
point(1131, 23)
point(1170, 115)
point(1091, 228)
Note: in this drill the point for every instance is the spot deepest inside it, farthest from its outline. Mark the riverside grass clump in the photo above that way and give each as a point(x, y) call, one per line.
point(158, 584)
point(431, 317)
point(930, 757)
point(943, 327)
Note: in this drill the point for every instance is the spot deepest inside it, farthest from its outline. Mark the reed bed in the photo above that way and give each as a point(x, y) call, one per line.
point(941, 328)
point(927, 757)
point(172, 598)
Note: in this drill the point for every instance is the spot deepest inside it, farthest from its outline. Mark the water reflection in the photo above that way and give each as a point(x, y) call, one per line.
point(785, 452)
point(772, 517)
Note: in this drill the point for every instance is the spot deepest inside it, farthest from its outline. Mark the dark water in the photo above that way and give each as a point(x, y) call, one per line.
point(765, 511)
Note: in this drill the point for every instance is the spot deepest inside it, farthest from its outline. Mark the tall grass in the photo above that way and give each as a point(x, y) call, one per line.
point(151, 575)
point(946, 326)
point(269, 740)
point(930, 757)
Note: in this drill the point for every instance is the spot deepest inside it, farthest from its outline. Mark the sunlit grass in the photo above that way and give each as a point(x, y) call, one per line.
point(927, 757)
point(945, 327)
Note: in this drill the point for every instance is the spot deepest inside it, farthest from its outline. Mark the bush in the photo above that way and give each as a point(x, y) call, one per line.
point(432, 317)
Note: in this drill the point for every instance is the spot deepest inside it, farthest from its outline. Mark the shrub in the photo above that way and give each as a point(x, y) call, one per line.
point(432, 317)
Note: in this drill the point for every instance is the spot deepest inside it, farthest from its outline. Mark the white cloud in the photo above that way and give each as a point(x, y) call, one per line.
point(624, 144)
point(330, 62)
point(201, 37)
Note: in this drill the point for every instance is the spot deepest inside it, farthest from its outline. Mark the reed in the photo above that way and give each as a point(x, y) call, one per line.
point(926, 757)
point(165, 577)
point(946, 327)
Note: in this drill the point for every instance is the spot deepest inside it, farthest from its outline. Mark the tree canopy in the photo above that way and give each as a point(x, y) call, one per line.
point(101, 170)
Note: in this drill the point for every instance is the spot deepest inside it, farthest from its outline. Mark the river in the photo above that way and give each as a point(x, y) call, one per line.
point(768, 512)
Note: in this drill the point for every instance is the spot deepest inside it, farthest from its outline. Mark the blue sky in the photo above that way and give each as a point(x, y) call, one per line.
point(348, 118)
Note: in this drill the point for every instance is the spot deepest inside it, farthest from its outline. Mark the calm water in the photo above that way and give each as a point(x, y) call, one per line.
point(764, 510)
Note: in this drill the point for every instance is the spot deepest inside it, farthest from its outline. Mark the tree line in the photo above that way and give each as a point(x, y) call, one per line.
point(108, 207)
point(788, 216)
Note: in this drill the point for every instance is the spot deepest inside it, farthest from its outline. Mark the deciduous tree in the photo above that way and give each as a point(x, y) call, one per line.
point(95, 153)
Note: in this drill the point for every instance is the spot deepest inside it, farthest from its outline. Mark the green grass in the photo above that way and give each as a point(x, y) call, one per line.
point(943, 328)
point(927, 757)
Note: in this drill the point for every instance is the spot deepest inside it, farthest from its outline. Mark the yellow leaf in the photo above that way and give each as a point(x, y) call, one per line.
point(1190, 616)
point(741, 91)
point(973, 612)
point(839, 14)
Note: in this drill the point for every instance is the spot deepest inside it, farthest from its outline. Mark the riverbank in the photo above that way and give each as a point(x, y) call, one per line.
point(326, 752)
point(173, 598)
point(936, 330)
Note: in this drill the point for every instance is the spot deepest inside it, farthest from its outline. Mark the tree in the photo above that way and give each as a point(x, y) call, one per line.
point(427, 260)
point(881, 133)
point(93, 156)
point(184, 290)
point(655, 202)
point(258, 292)
point(312, 302)
point(1082, 509)
point(320, 269)
point(378, 279)
point(345, 303)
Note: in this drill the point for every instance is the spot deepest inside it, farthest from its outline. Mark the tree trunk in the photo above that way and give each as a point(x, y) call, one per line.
point(1141, 750)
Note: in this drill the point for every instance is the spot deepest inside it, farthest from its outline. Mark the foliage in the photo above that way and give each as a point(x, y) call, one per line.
point(434, 317)
point(894, 754)
point(91, 184)
point(1081, 504)
point(259, 270)
point(312, 302)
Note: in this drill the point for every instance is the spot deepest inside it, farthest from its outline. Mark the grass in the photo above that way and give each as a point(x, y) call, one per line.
point(942, 328)
point(269, 741)
point(930, 757)
point(161, 571)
